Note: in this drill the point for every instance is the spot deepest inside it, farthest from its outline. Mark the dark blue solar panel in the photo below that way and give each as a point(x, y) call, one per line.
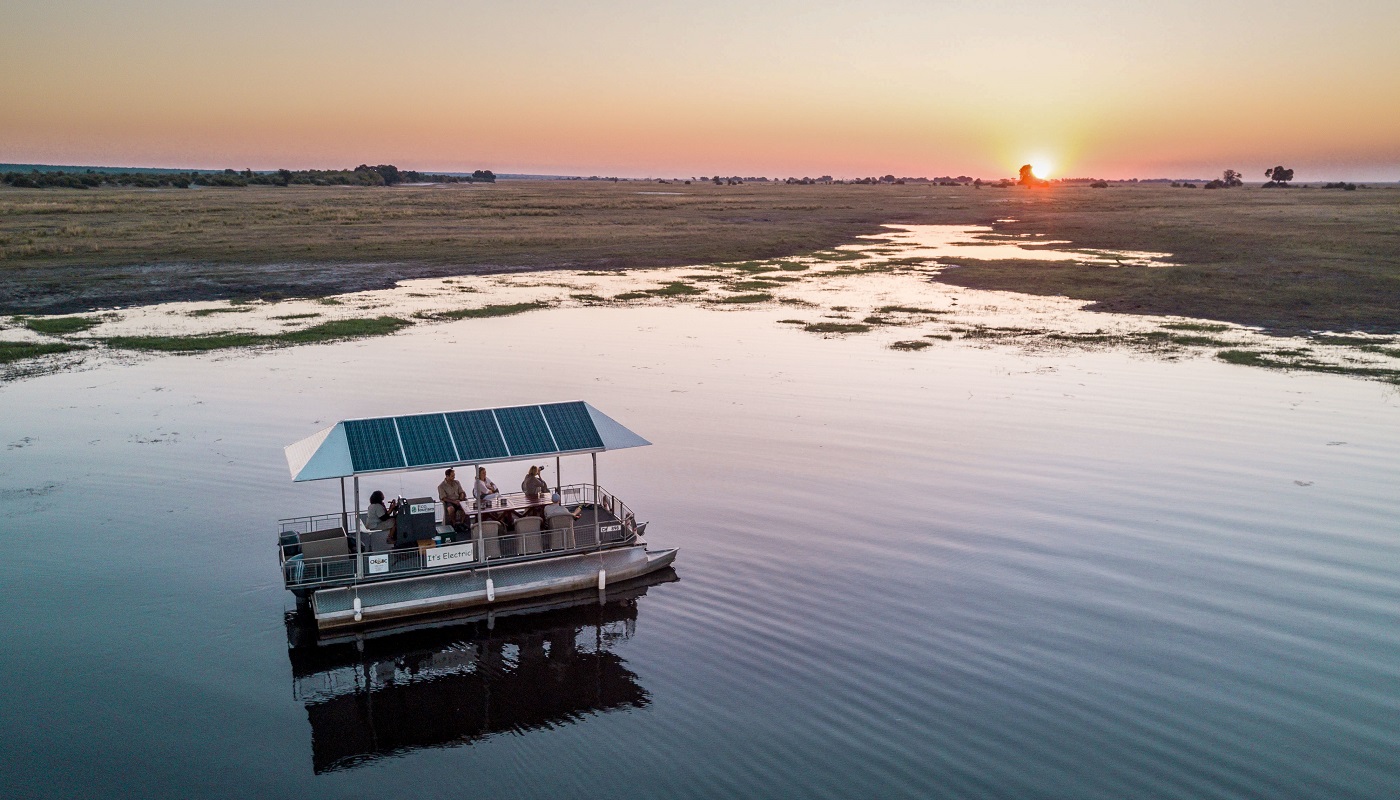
point(526, 433)
point(373, 444)
point(573, 428)
point(425, 439)
point(478, 438)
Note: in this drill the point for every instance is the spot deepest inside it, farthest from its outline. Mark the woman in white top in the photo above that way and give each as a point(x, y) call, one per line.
point(381, 516)
point(485, 492)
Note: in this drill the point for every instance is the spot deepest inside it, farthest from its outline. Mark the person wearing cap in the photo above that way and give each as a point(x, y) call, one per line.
point(557, 509)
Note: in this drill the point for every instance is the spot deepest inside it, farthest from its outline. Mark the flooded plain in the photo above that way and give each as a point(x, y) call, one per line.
point(993, 566)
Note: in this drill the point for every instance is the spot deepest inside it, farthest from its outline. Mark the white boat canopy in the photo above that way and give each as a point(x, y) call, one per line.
point(456, 438)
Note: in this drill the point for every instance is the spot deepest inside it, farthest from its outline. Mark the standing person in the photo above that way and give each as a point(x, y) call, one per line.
point(534, 486)
point(451, 493)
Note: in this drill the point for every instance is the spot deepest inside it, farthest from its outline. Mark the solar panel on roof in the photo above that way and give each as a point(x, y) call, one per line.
point(572, 427)
point(426, 440)
point(374, 444)
point(478, 438)
point(525, 431)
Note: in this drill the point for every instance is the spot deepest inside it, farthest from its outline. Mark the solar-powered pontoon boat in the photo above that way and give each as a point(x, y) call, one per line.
point(349, 575)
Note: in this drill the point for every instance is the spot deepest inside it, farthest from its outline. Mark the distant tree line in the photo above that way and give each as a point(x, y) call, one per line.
point(363, 175)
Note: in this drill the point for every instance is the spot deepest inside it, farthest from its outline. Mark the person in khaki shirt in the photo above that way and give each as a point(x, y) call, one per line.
point(451, 493)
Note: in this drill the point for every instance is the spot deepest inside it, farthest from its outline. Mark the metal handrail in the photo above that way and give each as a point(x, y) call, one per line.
point(305, 573)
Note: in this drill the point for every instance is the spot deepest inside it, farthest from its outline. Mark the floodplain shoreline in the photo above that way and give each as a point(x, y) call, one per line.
point(1288, 261)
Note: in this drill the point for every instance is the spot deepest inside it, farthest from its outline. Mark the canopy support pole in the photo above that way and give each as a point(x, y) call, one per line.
point(344, 513)
point(558, 480)
point(357, 527)
point(596, 536)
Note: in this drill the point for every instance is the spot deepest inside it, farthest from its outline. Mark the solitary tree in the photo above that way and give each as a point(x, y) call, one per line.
point(1279, 175)
point(1231, 178)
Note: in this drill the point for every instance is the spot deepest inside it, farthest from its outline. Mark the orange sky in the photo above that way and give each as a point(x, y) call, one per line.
point(655, 89)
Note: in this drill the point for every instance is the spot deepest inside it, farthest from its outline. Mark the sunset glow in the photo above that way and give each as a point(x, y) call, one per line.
point(669, 89)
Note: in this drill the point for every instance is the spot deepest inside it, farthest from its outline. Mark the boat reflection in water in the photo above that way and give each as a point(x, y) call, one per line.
point(370, 696)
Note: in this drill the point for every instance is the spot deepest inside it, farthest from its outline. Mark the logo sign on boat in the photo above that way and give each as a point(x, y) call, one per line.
point(613, 528)
point(421, 508)
point(451, 554)
point(379, 564)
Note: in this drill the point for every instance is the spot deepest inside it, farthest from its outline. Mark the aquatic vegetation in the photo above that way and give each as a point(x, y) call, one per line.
point(1199, 327)
point(909, 310)
point(631, 296)
point(761, 297)
point(497, 310)
point(59, 326)
point(1392, 352)
point(836, 327)
point(791, 266)
point(840, 255)
point(588, 298)
point(746, 286)
point(792, 322)
point(18, 351)
point(1250, 358)
point(308, 315)
point(675, 289)
point(941, 336)
point(325, 332)
point(1198, 341)
point(329, 301)
point(915, 344)
point(754, 267)
point(1333, 339)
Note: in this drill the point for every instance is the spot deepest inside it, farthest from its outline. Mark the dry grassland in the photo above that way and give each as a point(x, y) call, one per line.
point(1288, 260)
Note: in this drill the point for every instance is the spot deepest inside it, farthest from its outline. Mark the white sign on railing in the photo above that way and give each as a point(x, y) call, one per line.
point(613, 528)
point(378, 564)
point(451, 554)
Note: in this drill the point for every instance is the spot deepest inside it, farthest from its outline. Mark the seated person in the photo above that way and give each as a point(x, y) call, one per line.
point(534, 486)
point(381, 516)
point(556, 509)
point(451, 493)
point(485, 492)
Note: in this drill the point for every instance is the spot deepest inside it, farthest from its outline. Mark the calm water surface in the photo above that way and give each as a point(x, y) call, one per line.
point(953, 573)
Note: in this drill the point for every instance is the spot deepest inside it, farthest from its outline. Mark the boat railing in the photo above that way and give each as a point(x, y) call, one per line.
point(617, 529)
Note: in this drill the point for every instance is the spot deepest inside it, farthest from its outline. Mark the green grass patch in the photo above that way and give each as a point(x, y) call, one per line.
point(1197, 341)
point(760, 297)
point(200, 343)
point(749, 286)
point(631, 296)
point(877, 320)
point(58, 326)
point(1347, 341)
point(18, 351)
point(840, 255)
point(329, 301)
point(947, 337)
point(791, 267)
point(835, 327)
point(908, 310)
point(307, 315)
point(1198, 327)
point(588, 298)
point(497, 310)
point(916, 344)
point(676, 289)
point(1393, 352)
point(792, 322)
point(1250, 358)
point(753, 267)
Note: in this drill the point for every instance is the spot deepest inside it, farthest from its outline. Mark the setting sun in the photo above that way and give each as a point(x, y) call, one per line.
point(1041, 169)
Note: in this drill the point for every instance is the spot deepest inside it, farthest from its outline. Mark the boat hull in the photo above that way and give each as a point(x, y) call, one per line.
point(386, 601)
